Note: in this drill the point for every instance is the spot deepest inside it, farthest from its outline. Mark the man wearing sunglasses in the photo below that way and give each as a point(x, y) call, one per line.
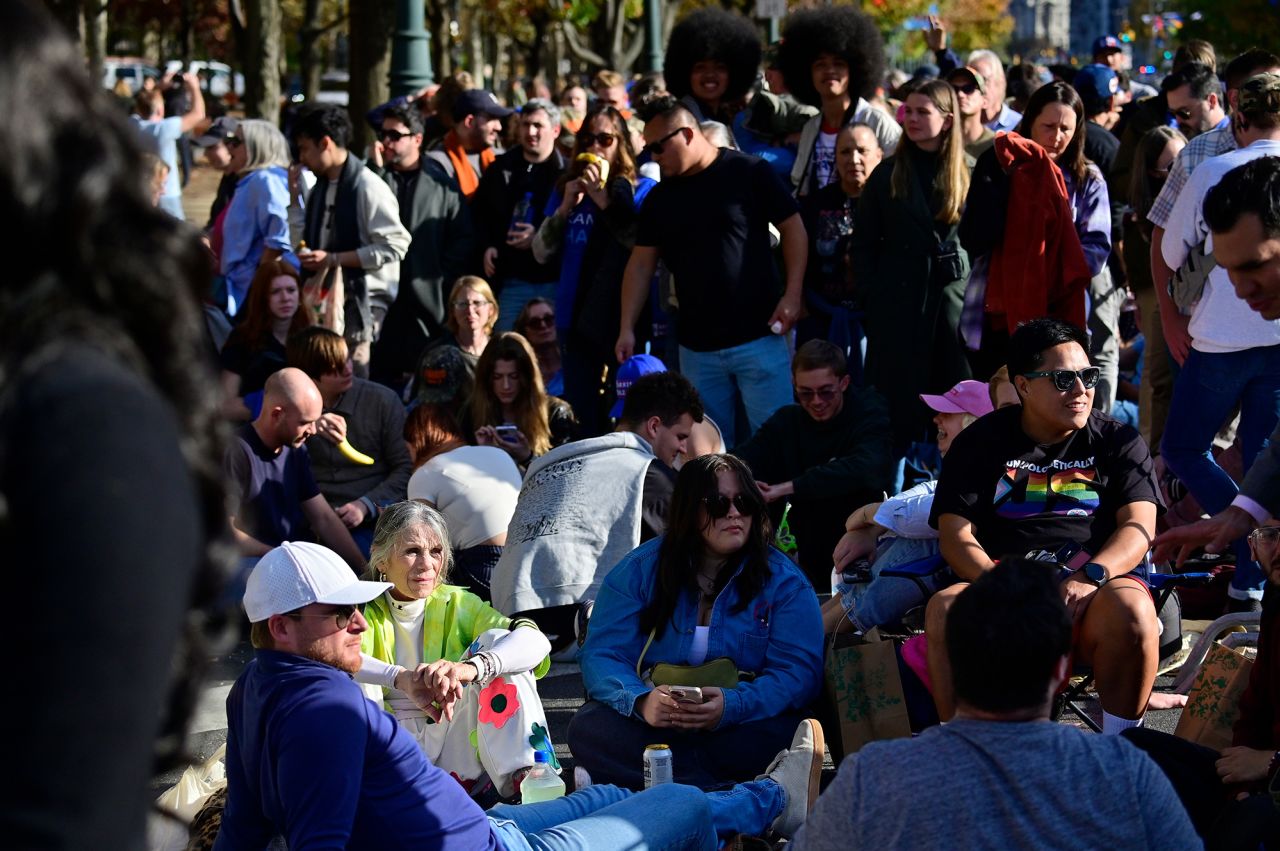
point(433, 211)
point(708, 222)
point(310, 759)
point(971, 93)
point(1054, 475)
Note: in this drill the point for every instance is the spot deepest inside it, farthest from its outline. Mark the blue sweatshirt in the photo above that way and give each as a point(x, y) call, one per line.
point(311, 759)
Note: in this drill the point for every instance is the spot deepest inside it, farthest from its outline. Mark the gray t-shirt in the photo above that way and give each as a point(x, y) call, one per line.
point(990, 784)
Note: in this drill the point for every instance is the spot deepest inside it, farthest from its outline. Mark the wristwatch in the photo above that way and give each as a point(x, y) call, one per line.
point(1095, 573)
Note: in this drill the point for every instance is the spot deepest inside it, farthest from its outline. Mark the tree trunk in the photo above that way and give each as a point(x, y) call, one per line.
point(186, 23)
point(262, 72)
point(309, 48)
point(437, 23)
point(370, 24)
point(95, 35)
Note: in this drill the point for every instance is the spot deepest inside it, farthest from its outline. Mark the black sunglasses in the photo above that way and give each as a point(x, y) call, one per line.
point(655, 149)
point(604, 140)
point(965, 88)
point(392, 135)
point(1184, 113)
point(544, 321)
point(718, 505)
point(1065, 379)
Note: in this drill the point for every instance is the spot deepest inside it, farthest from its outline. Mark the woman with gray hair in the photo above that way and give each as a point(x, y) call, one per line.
point(471, 669)
point(255, 225)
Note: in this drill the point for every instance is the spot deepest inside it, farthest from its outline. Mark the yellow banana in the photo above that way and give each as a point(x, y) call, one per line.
point(353, 454)
point(600, 162)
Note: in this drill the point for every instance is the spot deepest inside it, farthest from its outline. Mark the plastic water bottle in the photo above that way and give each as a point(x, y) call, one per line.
point(541, 783)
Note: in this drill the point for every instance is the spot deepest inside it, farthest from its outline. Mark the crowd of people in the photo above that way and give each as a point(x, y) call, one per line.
point(664, 377)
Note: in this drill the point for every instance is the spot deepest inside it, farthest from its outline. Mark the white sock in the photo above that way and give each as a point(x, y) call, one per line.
point(1114, 725)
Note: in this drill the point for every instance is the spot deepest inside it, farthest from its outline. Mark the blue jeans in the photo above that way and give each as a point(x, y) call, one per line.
point(1205, 392)
point(886, 599)
point(759, 372)
point(670, 816)
point(514, 295)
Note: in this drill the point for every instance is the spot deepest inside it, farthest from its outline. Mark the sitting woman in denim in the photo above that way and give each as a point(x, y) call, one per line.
point(711, 587)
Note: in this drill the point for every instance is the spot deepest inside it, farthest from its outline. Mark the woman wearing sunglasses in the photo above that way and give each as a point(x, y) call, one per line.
point(711, 592)
point(471, 670)
point(590, 236)
point(537, 324)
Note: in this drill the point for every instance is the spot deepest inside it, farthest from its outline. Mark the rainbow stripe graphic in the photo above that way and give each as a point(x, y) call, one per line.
point(1021, 495)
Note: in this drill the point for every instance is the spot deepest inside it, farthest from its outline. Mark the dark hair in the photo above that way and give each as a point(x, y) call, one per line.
point(665, 395)
point(1200, 77)
point(317, 120)
point(819, 354)
point(1030, 340)
point(1251, 188)
point(669, 108)
point(624, 156)
point(1022, 81)
point(680, 553)
point(1143, 189)
point(256, 319)
point(842, 31)
point(409, 116)
point(317, 351)
point(1194, 50)
point(429, 428)
point(522, 321)
point(1006, 634)
point(99, 267)
point(1072, 159)
point(1253, 61)
point(716, 35)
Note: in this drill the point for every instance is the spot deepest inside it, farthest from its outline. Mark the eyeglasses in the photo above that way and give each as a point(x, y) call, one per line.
point(1264, 536)
point(825, 394)
point(341, 616)
point(718, 505)
point(604, 140)
point(655, 149)
point(1184, 113)
point(965, 88)
point(478, 304)
point(546, 320)
point(392, 135)
point(1065, 379)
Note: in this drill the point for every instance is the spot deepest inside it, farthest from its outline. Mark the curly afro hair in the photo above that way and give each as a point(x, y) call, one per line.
point(718, 35)
point(839, 30)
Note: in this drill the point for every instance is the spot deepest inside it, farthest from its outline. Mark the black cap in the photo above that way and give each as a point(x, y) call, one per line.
point(478, 102)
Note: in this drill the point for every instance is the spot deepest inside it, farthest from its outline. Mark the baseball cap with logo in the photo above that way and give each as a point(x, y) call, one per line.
point(478, 102)
point(1260, 93)
point(633, 368)
point(296, 574)
point(219, 131)
point(967, 397)
point(1096, 83)
point(444, 375)
point(1106, 44)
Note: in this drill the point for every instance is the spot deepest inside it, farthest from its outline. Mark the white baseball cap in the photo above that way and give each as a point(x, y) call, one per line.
point(296, 574)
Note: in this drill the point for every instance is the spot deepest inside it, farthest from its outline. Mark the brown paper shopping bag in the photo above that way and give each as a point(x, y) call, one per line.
point(865, 691)
point(1213, 704)
point(323, 296)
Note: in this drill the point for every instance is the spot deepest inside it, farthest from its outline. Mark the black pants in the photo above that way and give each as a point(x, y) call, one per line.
point(473, 568)
point(610, 747)
point(1222, 822)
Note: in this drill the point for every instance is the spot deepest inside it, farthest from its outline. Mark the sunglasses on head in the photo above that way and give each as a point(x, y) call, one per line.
point(718, 505)
point(655, 149)
point(604, 140)
point(392, 135)
point(1065, 379)
point(544, 321)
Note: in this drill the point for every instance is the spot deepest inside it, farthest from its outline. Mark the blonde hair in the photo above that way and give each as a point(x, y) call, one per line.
point(480, 285)
point(951, 184)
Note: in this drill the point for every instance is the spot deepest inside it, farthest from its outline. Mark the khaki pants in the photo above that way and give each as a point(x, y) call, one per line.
point(1156, 390)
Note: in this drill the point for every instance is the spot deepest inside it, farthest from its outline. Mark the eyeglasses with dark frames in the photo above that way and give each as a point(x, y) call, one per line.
point(1065, 379)
point(341, 615)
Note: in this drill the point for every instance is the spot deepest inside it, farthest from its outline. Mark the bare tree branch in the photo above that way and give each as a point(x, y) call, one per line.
point(580, 50)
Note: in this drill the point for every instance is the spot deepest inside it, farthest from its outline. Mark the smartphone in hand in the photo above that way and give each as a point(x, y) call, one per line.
point(506, 433)
point(686, 694)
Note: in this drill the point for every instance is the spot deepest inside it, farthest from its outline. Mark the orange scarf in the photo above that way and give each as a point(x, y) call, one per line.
point(468, 180)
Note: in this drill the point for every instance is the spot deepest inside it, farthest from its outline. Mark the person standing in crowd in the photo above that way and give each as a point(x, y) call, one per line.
point(213, 141)
point(708, 222)
point(829, 217)
point(831, 58)
point(362, 414)
point(1235, 353)
point(439, 225)
point(509, 392)
point(510, 205)
point(109, 447)
point(827, 455)
point(592, 230)
point(971, 95)
point(471, 145)
point(909, 265)
point(353, 222)
point(161, 134)
point(256, 226)
point(711, 587)
point(996, 114)
point(537, 324)
point(712, 58)
point(256, 346)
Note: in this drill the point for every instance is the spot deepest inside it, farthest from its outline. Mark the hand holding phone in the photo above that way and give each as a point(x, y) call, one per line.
point(506, 432)
point(685, 694)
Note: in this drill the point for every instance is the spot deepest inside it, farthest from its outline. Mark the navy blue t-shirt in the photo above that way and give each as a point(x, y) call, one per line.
point(268, 488)
point(310, 758)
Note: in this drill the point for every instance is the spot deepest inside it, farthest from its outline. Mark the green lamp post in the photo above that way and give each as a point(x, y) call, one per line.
point(410, 53)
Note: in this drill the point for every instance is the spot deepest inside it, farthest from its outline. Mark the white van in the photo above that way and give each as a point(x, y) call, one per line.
point(127, 68)
point(216, 78)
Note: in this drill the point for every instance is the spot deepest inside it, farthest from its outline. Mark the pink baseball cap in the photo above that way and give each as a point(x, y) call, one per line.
point(967, 397)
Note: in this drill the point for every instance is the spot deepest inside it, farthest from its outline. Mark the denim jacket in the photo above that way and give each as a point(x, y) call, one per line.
point(778, 637)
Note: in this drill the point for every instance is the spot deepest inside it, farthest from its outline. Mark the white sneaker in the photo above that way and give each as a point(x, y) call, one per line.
point(798, 771)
